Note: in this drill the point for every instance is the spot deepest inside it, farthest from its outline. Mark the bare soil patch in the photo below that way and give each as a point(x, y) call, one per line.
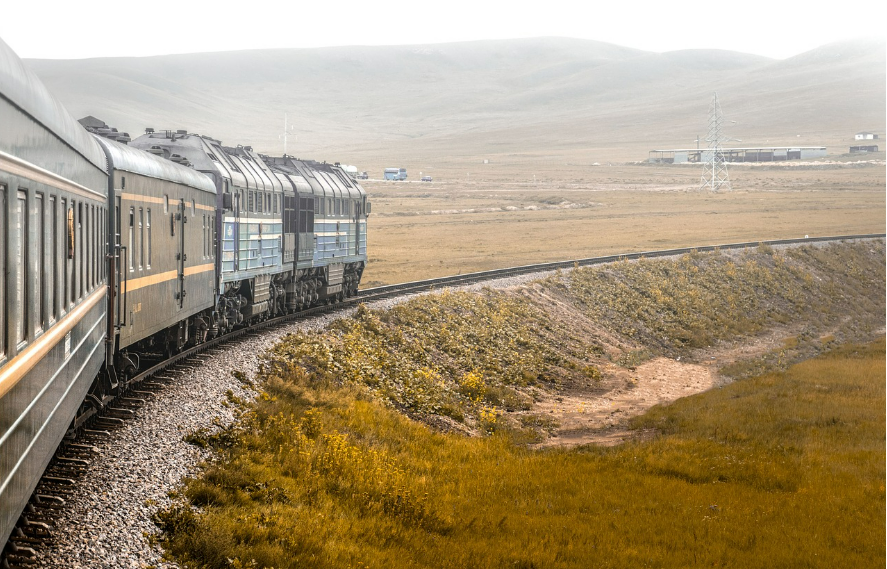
point(599, 414)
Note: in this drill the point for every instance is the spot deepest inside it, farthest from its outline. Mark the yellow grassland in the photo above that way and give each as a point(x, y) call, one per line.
point(329, 468)
point(496, 216)
point(783, 470)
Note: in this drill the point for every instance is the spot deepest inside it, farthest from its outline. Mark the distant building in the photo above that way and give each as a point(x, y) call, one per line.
point(866, 136)
point(761, 154)
point(395, 174)
point(860, 149)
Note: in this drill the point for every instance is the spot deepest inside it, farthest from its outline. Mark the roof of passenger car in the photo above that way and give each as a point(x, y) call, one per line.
point(22, 87)
point(140, 162)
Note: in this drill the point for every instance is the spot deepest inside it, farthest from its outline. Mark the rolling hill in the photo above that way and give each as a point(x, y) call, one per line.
point(533, 99)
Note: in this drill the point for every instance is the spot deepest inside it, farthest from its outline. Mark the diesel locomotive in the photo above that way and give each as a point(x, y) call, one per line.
point(116, 250)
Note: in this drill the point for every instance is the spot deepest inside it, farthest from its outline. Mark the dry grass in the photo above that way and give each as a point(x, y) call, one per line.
point(786, 470)
point(326, 469)
point(482, 359)
point(426, 230)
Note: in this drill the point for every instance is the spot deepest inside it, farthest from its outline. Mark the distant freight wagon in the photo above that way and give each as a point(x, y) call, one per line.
point(395, 174)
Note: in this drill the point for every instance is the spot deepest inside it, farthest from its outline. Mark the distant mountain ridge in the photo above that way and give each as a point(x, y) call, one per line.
point(556, 95)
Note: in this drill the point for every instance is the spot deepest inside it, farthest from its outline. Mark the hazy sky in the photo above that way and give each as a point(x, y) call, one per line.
point(99, 28)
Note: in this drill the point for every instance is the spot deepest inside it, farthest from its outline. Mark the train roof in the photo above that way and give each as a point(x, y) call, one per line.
point(140, 162)
point(322, 178)
point(22, 87)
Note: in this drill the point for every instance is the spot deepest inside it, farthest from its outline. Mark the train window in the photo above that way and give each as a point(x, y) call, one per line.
point(276, 204)
point(329, 206)
point(268, 203)
point(87, 251)
point(66, 263)
point(249, 201)
point(2, 272)
point(93, 236)
point(95, 246)
point(141, 238)
point(91, 252)
point(39, 257)
point(149, 237)
point(20, 262)
point(53, 258)
point(317, 204)
point(98, 245)
point(203, 228)
point(131, 251)
point(103, 235)
point(212, 229)
point(81, 283)
point(209, 236)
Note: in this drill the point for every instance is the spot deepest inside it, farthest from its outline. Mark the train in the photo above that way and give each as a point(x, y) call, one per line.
point(119, 251)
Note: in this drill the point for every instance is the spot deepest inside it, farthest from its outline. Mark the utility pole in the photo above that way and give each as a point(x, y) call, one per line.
point(287, 131)
point(714, 168)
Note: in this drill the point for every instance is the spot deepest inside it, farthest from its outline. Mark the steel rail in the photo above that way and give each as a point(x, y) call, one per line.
point(387, 291)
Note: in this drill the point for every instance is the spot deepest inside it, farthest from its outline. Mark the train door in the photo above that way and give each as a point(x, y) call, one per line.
point(117, 269)
point(355, 207)
point(180, 220)
point(236, 230)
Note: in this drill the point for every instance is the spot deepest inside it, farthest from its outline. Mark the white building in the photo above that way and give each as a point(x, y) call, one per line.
point(866, 136)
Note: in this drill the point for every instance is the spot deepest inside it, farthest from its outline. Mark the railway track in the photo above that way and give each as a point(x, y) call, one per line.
point(469, 278)
point(74, 455)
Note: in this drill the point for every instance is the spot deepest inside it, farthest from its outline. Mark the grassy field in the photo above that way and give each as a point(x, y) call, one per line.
point(482, 359)
point(326, 468)
point(784, 470)
point(456, 224)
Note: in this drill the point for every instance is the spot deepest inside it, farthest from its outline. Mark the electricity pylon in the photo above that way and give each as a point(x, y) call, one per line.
point(287, 132)
point(714, 169)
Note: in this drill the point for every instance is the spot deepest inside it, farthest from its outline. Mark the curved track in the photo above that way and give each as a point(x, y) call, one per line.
point(72, 456)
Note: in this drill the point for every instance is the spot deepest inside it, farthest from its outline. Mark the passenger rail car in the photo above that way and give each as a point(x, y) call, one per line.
point(163, 260)
point(113, 253)
point(53, 212)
